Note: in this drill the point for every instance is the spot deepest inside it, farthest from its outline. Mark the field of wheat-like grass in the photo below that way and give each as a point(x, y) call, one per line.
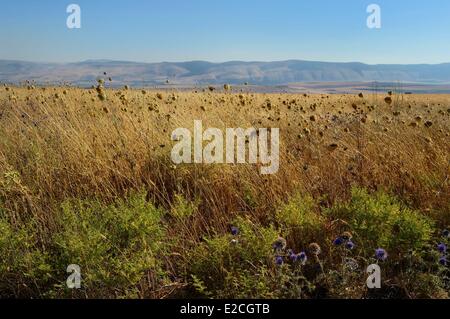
point(86, 178)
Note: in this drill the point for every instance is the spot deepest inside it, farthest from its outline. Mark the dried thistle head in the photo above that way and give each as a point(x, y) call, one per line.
point(388, 100)
point(347, 235)
point(315, 249)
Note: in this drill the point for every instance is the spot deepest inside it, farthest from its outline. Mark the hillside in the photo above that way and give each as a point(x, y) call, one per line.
point(204, 73)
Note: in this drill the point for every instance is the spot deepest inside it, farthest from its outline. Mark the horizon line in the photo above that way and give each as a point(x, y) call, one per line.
point(222, 62)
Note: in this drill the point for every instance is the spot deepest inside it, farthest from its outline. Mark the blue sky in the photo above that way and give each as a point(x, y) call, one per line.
point(413, 31)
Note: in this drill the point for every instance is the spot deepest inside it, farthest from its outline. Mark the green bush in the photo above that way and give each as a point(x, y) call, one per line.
point(125, 249)
point(229, 267)
point(24, 266)
point(380, 220)
point(183, 209)
point(300, 220)
point(114, 245)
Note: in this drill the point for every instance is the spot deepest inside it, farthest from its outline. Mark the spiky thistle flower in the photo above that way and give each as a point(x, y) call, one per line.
point(443, 261)
point(302, 257)
point(279, 260)
point(381, 254)
point(315, 249)
point(350, 245)
point(338, 241)
point(442, 248)
point(279, 244)
point(347, 235)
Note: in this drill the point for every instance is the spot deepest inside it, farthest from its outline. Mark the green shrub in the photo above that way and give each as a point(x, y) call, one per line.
point(113, 245)
point(183, 209)
point(300, 219)
point(231, 267)
point(24, 266)
point(380, 220)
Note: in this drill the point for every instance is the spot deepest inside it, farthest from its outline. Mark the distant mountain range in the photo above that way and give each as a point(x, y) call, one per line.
point(196, 73)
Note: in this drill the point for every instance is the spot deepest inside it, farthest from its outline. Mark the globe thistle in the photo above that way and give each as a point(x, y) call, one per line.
point(381, 254)
point(443, 261)
point(234, 231)
point(347, 235)
point(442, 248)
point(279, 244)
point(279, 260)
point(351, 264)
point(338, 241)
point(293, 257)
point(350, 245)
point(302, 258)
point(290, 253)
point(388, 100)
point(315, 249)
point(446, 233)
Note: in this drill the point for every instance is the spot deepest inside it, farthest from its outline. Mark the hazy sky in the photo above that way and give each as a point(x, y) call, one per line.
point(413, 31)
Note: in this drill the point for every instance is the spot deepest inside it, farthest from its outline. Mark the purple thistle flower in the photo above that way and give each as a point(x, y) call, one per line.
point(234, 231)
point(338, 241)
point(442, 248)
point(381, 254)
point(279, 244)
point(293, 257)
point(443, 261)
point(302, 257)
point(446, 233)
point(279, 260)
point(350, 245)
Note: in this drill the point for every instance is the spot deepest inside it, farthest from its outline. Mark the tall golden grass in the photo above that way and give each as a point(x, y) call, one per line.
point(66, 142)
point(58, 143)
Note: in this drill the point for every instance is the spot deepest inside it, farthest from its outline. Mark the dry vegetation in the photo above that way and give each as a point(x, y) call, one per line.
point(104, 145)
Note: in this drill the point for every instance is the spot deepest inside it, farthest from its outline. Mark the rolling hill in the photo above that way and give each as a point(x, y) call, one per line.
point(204, 73)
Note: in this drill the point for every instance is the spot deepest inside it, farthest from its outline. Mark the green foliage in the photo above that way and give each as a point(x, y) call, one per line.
point(380, 220)
point(299, 218)
point(119, 245)
point(243, 266)
point(114, 245)
point(23, 265)
point(223, 262)
point(183, 209)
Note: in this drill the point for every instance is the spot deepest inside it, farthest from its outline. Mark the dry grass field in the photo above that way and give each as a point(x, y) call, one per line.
point(86, 178)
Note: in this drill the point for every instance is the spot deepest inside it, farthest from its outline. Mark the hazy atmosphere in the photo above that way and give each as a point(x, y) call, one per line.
point(217, 31)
